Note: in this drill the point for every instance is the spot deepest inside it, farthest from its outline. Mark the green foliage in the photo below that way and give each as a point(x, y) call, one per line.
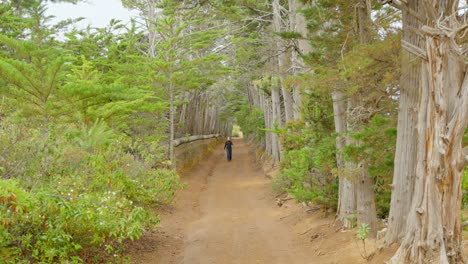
point(102, 84)
point(375, 145)
point(309, 153)
point(362, 234)
point(236, 131)
point(306, 171)
point(59, 225)
point(82, 124)
point(88, 186)
point(371, 69)
point(289, 34)
point(83, 198)
point(33, 75)
point(363, 231)
point(251, 120)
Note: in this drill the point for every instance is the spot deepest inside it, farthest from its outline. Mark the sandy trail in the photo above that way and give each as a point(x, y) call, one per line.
point(225, 215)
point(237, 223)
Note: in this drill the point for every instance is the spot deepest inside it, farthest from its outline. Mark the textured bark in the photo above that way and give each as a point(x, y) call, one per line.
point(278, 105)
point(179, 141)
point(288, 103)
point(346, 206)
point(339, 113)
point(298, 24)
point(201, 114)
point(433, 232)
point(405, 156)
point(365, 199)
point(171, 124)
point(278, 26)
point(366, 209)
point(266, 108)
point(275, 120)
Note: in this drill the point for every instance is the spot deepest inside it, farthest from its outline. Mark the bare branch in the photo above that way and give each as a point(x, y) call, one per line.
point(414, 49)
point(457, 30)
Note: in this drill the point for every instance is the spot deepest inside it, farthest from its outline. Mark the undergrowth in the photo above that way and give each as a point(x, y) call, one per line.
point(74, 195)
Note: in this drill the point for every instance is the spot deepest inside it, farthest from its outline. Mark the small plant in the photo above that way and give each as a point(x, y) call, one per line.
point(362, 233)
point(465, 188)
point(352, 218)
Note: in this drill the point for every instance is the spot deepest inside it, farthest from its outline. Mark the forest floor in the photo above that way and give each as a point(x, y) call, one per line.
point(228, 213)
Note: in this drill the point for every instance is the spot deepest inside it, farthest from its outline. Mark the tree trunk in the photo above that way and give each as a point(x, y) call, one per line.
point(366, 209)
point(278, 84)
point(298, 23)
point(405, 155)
point(346, 205)
point(276, 120)
point(365, 199)
point(350, 189)
point(171, 124)
point(183, 140)
point(433, 231)
point(288, 103)
point(266, 108)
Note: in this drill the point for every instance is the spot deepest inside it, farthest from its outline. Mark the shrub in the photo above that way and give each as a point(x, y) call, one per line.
point(306, 171)
point(74, 196)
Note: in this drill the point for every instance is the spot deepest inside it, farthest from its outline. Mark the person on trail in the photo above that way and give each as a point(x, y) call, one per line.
point(228, 147)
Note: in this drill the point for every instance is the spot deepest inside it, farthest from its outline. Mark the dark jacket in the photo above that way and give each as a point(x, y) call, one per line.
point(228, 144)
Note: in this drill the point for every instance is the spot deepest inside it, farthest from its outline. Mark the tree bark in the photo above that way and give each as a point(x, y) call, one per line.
point(171, 124)
point(366, 209)
point(183, 140)
point(365, 199)
point(433, 231)
point(282, 60)
point(361, 185)
point(276, 120)
point(346, 189)
point(298, 24)
point(405, 155)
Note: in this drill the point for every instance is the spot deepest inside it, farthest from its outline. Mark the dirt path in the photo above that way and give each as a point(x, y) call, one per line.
point(225, 215)
point(238, 224)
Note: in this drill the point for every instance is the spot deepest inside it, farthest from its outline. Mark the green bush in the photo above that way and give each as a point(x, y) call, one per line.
point(306, 172)
point(48, 226)
point(251, 120)
point(74, 195)
point(309, 154)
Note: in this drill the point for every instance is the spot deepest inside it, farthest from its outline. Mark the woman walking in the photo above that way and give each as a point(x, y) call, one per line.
point(228, 147)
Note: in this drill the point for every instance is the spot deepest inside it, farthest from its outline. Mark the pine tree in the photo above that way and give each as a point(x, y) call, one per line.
point(32, 67)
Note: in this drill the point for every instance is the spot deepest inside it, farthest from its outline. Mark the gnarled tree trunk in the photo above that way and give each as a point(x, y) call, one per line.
point(433, 232)
point(405, 155)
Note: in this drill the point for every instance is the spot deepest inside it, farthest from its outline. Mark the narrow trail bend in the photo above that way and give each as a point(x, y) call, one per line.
point(225, 215)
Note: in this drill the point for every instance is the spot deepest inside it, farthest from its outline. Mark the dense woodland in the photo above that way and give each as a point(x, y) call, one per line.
point(362, 104)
